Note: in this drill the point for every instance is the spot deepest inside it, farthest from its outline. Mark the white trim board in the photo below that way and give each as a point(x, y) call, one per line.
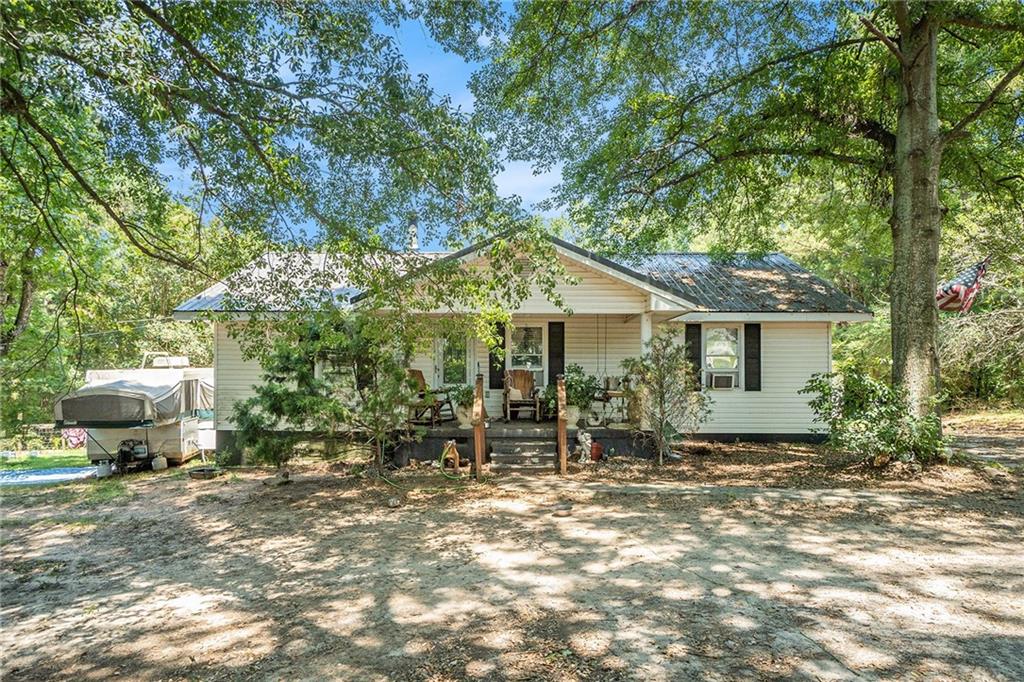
point(663, 297)
point(772, 317)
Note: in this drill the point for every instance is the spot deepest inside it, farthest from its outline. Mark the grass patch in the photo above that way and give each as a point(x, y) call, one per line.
point(31, 495)
point(88, 493)
point(45, 459)
point(107, 490)
point(83, 521)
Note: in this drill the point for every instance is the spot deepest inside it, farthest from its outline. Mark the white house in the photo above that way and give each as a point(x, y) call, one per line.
point(757, 327)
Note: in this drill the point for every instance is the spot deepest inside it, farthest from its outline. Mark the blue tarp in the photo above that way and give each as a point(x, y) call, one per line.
point(44, 476)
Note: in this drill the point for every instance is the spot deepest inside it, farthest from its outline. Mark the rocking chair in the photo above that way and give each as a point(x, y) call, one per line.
point(520, 394)
point(429, 404)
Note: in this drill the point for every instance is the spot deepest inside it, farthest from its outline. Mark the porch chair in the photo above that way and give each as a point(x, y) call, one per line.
point(521, 394)
point(429, 404)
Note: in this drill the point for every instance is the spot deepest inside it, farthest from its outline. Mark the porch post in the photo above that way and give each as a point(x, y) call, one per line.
point(646, 330)
point(478, 427)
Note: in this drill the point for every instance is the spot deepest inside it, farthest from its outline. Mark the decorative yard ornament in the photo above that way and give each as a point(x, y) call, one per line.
point(958, 294)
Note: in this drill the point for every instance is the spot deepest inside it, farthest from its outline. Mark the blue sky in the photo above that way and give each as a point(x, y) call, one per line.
point(449, 75)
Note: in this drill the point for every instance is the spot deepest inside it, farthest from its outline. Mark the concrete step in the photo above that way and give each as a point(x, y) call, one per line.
point(522, 446)
point(521, 429)
point(545, 459)
point(523, 468)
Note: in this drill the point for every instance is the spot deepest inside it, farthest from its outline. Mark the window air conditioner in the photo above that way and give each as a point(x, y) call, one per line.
point(721, 380)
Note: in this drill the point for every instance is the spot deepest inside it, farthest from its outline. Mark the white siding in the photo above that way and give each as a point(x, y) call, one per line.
point(790, 354)
point(233, 376)
point(599, 343)
point(592, 292)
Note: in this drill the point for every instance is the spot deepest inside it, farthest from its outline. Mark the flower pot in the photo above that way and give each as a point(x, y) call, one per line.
point(465, 417)
point(572, 415)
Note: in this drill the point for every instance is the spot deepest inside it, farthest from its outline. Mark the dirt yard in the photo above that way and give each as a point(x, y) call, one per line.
point(775, 562)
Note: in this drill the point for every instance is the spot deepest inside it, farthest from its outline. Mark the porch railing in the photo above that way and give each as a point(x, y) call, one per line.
point(563, 427)
point(478, 427)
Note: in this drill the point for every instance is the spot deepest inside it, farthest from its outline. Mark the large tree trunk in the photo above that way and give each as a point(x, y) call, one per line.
point(916, 221)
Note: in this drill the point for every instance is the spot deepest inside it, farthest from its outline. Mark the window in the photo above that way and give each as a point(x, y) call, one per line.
point(527, 348)
point(335, 373)
point(453, 360)
point(722, 357)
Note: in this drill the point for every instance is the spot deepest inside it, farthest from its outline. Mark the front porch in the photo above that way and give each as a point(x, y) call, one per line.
point(520, 442)
point(544, 345)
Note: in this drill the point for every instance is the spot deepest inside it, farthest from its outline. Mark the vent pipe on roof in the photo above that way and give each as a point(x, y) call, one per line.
point(413, 235)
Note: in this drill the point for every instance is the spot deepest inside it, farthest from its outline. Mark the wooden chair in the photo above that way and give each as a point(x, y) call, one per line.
point(520, 394)
point(428, 407)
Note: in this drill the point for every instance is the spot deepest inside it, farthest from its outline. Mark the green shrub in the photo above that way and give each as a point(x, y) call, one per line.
point(361, 391)
point(461, 394)
point(872, 419)
point(580, 387)
point(666, 393)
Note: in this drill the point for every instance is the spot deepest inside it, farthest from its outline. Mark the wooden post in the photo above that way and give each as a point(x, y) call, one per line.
point(563, 421)
point(478, 426)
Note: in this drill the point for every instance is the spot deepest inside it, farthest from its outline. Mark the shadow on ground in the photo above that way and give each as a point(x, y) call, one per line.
point(524, 579)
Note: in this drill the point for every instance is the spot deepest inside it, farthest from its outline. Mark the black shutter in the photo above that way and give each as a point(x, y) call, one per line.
point(752, 356)
point(556, 350)
point(693, 350)
point(495, 364)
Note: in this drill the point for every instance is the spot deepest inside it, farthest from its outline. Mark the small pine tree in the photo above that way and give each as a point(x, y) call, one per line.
point(361, 391)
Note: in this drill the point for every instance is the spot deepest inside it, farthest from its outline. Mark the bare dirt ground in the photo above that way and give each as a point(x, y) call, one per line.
point(770, 562)
point(990, 436)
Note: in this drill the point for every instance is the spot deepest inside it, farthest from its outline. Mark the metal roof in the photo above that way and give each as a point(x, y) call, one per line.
point(742, 283)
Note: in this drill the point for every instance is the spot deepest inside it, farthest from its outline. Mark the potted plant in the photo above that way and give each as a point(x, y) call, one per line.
point(461, 396)
point(580, 389)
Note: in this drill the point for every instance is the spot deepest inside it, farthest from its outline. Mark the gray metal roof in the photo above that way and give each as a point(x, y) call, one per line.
point(771, 283)
point(274, 282)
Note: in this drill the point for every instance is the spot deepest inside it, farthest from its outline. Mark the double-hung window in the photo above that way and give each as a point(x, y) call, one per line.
point(527, 348)
point(722, 357)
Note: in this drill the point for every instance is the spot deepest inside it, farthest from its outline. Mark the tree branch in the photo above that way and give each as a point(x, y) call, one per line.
point(972, 22)
point(812, 152)
point(959, 130)
point(764, 66)
point(21, 108)
point(901, 12)
point(886, 40)
point(200, 56)
point(25, 301)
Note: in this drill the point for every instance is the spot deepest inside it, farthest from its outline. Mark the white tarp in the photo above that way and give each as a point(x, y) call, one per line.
point(155, 396)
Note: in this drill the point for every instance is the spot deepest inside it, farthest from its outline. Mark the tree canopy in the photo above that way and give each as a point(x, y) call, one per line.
point(258, 125)
point(682, 118)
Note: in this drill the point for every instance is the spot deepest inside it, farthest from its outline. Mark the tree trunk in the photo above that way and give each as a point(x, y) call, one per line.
point(25, 302)
point(916, 221)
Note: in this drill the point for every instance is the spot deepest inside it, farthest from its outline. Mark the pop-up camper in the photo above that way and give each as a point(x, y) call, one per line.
point(143, 413)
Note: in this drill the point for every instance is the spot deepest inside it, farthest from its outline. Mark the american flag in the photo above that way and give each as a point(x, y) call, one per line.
point(959, 292)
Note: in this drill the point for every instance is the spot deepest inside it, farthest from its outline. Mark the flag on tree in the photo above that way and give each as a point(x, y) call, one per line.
point(959, 292)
